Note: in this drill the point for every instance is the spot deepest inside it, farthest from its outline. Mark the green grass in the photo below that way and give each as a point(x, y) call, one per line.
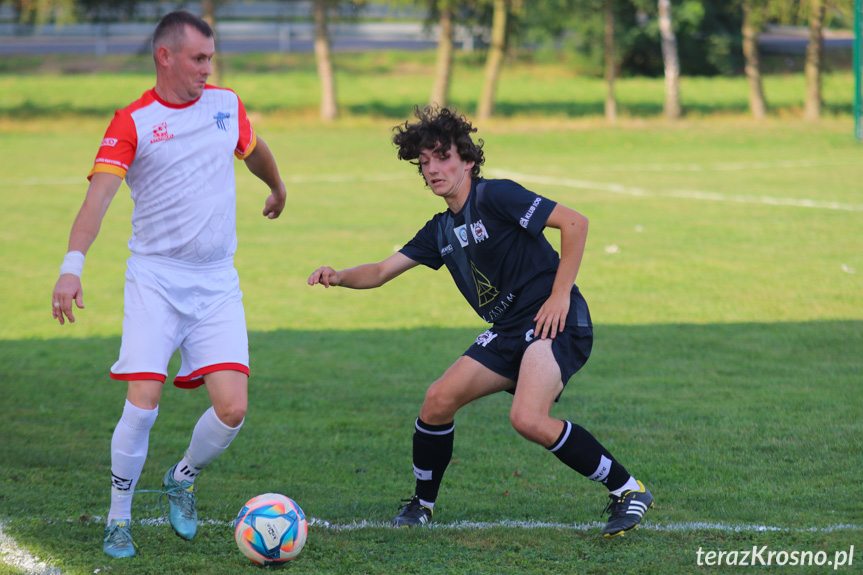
point(725, 374)
point(388, 84)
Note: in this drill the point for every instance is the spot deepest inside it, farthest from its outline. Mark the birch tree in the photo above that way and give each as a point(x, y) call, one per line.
point(323, 56)
point(610, 60)
point(445, 50)
point(814, 59)
point(752, 66)
point(494, 60)
point(670, 60)
point(208, 14)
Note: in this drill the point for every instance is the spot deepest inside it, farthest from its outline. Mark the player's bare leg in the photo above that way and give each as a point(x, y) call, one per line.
point(465, 381)
point(539, 383)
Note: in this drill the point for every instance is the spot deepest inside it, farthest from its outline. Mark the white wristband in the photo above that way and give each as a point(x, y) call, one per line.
point(73, 264)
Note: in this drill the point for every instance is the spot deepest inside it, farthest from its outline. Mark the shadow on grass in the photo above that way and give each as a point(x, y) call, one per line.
point(718, 419)
point(379, 109)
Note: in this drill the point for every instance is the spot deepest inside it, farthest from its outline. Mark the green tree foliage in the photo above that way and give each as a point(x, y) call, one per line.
point(708, 34)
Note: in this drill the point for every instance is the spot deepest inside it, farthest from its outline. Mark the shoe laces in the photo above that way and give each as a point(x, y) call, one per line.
point(614, 507)
point(119, 536)
point(184, 498)
point(410, 502)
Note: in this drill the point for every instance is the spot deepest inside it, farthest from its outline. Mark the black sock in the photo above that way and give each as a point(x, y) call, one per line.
point(580, 450)
point(432, 454)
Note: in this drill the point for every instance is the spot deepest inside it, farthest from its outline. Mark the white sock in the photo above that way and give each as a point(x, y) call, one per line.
point(209, 439)
point(128, 454)
point(429, 504)
point(631, 485)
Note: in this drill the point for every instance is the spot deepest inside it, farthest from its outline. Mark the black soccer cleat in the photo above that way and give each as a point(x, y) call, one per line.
point(413, 513)
point(626, 511)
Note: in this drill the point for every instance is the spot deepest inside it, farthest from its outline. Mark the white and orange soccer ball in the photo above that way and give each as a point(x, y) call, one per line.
point(270, 529)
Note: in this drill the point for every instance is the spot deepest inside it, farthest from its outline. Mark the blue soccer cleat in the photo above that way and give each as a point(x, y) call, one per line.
point(181, 496)
point(117, 542)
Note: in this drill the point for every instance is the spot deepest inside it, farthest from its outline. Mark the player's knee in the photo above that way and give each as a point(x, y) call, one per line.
point(438, 407)
point(232, 415)
point(528, 425)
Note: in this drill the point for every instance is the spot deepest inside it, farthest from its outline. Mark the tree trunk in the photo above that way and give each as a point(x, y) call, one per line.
point(671, 61)
point(814, 59)
point(443, 70)
point(208, 9)
point(610, 66)
point(757, 105)
point(494, 61)
point(329, 109)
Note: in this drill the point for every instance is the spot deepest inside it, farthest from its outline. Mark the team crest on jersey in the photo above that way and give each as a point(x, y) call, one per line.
point(220, 121)
point(161, 133)
point(461, 234)
point(485, 338)
point(479, 232)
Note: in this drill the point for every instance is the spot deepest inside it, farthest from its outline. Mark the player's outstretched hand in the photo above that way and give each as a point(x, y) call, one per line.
point(67, 290)
point(326, 276)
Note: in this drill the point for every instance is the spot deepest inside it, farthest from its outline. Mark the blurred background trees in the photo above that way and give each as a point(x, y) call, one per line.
point(604, 38)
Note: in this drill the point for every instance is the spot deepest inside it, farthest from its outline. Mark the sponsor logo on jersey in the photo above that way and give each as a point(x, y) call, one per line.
point(161, 133)
point(446, 250)
point(503, 304)
point(110, 142)
point(485, 292)
point(461, 234)
point(479, 232)
point(220, 121)
point(526, 218)
point(485, 338)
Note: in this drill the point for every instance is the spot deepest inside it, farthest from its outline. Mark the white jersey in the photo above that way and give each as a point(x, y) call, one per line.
point(178, 161)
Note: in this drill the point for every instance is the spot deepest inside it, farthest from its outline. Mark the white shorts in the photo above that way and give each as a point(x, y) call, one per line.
point(197, 308)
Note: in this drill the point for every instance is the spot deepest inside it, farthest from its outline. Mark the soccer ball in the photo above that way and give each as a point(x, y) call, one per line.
point(270, 528)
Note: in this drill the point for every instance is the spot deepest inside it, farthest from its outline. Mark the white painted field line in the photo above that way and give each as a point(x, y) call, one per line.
point(686, 194)
point(717, 167)
point(511, 524)
point(36, 181)
point(12, 554)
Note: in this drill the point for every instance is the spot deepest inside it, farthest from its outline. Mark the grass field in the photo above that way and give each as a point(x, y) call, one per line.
point(724, 270)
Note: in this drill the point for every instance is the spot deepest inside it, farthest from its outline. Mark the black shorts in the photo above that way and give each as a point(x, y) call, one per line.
point(502, 352)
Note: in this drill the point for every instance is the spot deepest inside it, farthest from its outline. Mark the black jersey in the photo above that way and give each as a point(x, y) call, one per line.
point(494, 249)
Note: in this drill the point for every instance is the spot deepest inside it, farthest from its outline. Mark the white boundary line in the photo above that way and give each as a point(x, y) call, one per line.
point(12, 554)
point(717, 167)
point(686, 194)
point(295, 179)
point(610, 187)
point(511, 524)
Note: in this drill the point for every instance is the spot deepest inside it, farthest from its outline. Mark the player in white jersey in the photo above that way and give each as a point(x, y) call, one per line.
point(175, 147)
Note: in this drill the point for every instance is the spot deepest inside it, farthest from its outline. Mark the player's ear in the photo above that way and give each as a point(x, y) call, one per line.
point(163, 55)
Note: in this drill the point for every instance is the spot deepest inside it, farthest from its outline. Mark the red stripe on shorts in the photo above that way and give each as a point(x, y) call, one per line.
point(196, 378)
point(138, 376)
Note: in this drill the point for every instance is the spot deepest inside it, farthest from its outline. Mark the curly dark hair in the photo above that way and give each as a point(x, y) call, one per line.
point(438, 126)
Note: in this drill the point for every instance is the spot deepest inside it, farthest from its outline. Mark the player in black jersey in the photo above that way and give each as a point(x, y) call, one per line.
point(491, 241)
